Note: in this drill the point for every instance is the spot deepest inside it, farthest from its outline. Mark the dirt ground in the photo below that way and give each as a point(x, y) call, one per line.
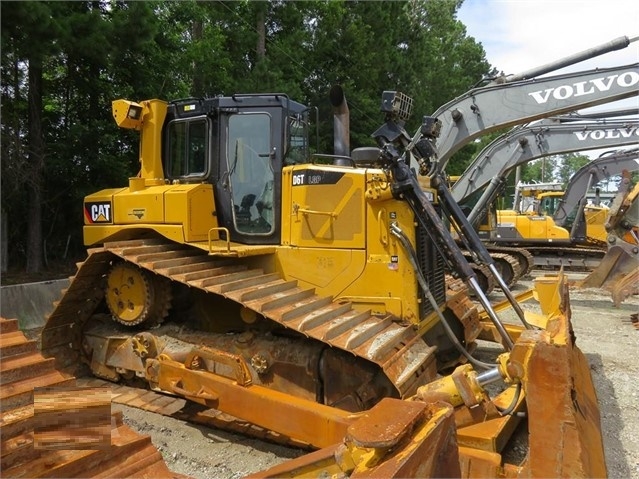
point(611, 344)
point(604, 333)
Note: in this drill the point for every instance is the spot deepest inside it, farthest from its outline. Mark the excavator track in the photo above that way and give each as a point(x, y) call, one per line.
point(485, 279)
point(508, 266)
point(511, 266)
point(570, 258)
point(23, 370)
point(525, 259)
point(396, 348)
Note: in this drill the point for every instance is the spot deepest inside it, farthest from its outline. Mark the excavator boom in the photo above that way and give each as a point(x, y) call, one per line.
point(490, 108)
point(522, 98)
point(496, 161)
point(608, 165)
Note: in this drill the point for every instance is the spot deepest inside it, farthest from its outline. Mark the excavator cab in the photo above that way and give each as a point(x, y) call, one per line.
point(548, 203)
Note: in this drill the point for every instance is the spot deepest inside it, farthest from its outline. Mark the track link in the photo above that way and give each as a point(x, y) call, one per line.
point(525, 259)
point(24, 369)
point(574, 258)
point(394, 347)
point(509, 267)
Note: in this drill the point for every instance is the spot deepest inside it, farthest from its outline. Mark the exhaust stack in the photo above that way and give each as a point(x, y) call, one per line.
point(341, 122)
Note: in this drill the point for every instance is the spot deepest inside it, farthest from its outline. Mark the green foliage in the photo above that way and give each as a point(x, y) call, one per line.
point(93, 52)
point(569, 165)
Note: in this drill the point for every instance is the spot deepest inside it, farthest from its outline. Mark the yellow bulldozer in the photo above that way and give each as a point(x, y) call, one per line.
point(306, 294)
point(323, 297)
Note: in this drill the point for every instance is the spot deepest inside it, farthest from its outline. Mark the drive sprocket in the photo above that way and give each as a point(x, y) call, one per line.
point(135, 296)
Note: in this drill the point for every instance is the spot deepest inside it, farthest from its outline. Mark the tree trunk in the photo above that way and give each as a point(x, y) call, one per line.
point(197, 31)
point(36, 167)
point(4, 242)
point(260, 26)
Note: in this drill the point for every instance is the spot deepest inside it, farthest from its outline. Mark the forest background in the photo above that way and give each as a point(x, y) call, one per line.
point(64, 62)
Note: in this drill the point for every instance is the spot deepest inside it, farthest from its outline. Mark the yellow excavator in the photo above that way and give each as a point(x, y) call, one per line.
point(618, 271)
point(547, 227)
point(307, 294)
point(560, 228)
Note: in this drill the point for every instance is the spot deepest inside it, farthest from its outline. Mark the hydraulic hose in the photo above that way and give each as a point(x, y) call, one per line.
point(513, 403)
point(412, 257)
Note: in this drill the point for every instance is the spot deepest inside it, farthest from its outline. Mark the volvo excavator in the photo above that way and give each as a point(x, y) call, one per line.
point(563, 229)
point(307, 294)
point(565, 225)
point(507, 101)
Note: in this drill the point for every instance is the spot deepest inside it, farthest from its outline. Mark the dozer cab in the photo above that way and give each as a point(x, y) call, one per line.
point(308, 296)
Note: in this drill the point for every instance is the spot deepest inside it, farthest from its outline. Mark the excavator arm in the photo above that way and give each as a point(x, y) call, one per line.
point(522, 98)
point(606, 166)
point(526, 143)
point(618, 271)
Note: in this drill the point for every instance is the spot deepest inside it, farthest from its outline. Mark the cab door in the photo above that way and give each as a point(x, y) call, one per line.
point(249, 184)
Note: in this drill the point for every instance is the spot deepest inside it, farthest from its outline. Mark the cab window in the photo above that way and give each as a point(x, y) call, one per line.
point(298, 147)
point(188, 146)
point(549, 205)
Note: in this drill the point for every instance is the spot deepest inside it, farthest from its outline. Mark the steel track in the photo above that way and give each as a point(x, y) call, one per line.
point(396, 348)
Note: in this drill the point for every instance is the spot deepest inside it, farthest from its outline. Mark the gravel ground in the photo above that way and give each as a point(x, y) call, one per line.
point(203, 452)
point(611, 344)
point(603, 332)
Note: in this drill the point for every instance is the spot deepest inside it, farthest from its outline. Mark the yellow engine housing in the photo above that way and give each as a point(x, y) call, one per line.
point(183, 213)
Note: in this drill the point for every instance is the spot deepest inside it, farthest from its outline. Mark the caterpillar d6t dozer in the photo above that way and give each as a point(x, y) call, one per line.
point(306, 294)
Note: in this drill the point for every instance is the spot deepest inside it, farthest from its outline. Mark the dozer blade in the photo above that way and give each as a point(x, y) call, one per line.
point(393, 439)
point(47, 426)
point(618, 272)
point(563, 415)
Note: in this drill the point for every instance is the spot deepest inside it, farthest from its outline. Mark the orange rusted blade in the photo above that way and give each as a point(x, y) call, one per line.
point(618, 272)
point(394, 439)
point(564, 425)
point(125, 453)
